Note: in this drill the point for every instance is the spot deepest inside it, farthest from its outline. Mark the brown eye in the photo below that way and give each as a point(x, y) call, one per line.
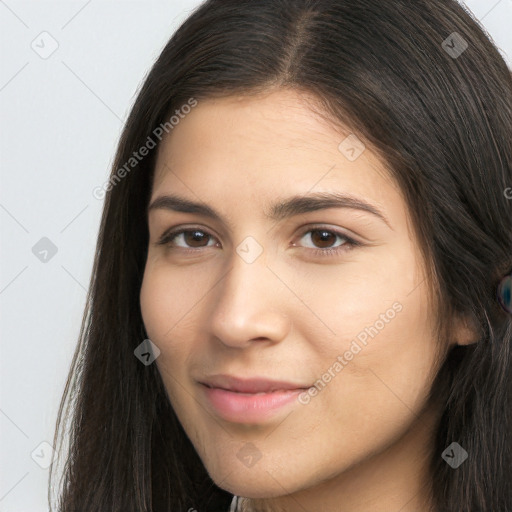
point(192, 238)
point(322, 240)
point(322, 237)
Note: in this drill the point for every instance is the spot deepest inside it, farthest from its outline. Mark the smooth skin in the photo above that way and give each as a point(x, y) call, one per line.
point(362, 443)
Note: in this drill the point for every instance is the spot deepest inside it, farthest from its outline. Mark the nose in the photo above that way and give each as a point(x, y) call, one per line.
point(248, 304)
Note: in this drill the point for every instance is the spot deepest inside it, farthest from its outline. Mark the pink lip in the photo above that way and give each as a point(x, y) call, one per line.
point(248, 407)
point(248, 400)
point(254, 385)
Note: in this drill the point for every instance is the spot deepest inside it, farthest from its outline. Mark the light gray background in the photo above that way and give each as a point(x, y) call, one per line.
point(61, 117)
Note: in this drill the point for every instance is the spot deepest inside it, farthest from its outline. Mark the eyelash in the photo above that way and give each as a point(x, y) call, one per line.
point(349, 244)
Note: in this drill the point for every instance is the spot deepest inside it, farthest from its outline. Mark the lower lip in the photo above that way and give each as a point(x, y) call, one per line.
point(247, 408)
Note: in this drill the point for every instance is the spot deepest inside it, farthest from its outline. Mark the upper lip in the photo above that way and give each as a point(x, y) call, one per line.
point(254, 385)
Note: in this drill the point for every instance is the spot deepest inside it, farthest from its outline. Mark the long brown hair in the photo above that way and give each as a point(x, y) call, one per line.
point(422, 84)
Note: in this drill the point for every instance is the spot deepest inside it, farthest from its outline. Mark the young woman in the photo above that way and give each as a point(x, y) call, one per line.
point(300, 300)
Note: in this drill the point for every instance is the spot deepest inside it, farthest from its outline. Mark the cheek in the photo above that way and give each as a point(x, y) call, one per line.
point(375, 363)
point(359, 299)
point(379, 391)
point(152, 305)
point(165, 300)
point(169, 310)
point(162, 303)
point(381, 347)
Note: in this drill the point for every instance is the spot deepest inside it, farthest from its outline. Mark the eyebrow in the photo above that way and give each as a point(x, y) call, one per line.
point(289, 207)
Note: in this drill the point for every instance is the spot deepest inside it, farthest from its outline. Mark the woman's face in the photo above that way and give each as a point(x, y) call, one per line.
point(284, 297)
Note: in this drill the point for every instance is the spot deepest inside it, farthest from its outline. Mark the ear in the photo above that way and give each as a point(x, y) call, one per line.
point(465, 331)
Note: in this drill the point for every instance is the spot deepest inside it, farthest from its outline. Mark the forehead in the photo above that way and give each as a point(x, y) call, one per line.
point(277, 134)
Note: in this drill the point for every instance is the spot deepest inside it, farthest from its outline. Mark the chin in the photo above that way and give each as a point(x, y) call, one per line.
point(253, 483)
point(251, 490)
